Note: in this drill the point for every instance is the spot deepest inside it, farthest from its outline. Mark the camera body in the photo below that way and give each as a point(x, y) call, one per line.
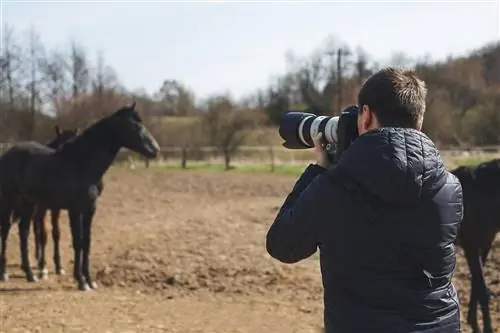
point(298, 129)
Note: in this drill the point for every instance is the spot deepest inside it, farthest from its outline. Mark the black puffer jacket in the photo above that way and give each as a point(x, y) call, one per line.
point(385, 220)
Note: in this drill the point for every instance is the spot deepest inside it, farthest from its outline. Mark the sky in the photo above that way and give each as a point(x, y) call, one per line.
point(238, 47)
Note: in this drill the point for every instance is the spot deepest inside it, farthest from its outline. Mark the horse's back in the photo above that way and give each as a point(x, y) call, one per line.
point(22, 150)
point(481, 196)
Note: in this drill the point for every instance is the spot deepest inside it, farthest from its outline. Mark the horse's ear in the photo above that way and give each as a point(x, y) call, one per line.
point(57, 129)
point(77, 130)
point(133, 105)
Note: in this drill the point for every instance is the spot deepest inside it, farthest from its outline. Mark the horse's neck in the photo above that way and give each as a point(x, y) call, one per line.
point(96, 165)
point(92, 157)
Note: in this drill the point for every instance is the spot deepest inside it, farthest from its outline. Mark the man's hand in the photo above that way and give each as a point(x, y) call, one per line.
point(320, 152)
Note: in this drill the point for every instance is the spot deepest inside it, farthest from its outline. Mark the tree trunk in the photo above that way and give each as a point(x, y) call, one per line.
point(184, 158)
point(227, 160)
point(271, 155)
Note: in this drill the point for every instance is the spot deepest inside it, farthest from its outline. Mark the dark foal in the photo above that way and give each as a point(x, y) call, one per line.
point(68, 178)
point(61, 137)
point(478, 230)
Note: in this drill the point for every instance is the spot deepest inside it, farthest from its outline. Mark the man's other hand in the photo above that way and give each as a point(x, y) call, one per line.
point(320, 151)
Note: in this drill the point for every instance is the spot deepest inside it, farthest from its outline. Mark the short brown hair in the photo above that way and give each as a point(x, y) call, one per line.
point(396, 96)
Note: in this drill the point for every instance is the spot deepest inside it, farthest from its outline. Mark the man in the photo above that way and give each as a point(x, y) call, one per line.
point(385, 219)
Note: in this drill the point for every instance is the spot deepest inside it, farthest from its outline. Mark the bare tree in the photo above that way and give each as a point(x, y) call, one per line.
point(104, 77)
point(322, 78)
point(176, 99)
point(343, 54)
point(35, 51)
point(104, 83)
point(361, 66)
point(11, 66)
point(55, 80)
point(79, 70)
point(227, 126)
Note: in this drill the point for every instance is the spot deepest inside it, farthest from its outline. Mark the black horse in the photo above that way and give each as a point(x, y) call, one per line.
point(40, 227)
point(481, 197)
point(67, 178)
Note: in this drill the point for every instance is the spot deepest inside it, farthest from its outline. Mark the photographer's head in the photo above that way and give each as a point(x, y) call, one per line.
point(392, 97)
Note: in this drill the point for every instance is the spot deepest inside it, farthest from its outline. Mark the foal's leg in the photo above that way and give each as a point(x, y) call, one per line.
point(41, 240)
point(56, 235)
point(478, 292)
point(88, 216)
point(36, 237)
point(5, 224)
point(485, 250)
point(75, 218)
point(24, 229)
point(484, 255)
point(488, 293)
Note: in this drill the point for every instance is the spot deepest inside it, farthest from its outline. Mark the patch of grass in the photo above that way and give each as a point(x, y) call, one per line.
point(456, 161)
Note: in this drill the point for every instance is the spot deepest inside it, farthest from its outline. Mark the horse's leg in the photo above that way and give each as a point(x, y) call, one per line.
point(478, 292)
point(488, 293)
point(484, 255)
point(36, 236)
point(56, 235)
point(472, 311)
point(87, 218)
point(41, 239)
point(75, 218)
point(5, 224)
point(24, 229)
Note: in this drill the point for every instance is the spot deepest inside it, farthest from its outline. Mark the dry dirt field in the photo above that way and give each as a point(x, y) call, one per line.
point(182, 252)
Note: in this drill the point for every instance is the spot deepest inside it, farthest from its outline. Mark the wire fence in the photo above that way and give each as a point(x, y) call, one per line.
point(262, 155)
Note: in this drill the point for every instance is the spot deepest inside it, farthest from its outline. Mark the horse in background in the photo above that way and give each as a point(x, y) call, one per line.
point(481, 223)
point(68, 178)
point(61, 137)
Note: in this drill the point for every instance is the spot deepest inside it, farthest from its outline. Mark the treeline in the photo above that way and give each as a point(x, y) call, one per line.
point(41, 87)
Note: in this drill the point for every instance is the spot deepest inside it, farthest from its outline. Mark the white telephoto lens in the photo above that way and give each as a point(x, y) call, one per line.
point(301, 131)
point(331, 129)
point(315, 126)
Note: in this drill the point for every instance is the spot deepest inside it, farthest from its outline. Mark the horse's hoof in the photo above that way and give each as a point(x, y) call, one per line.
point(31, 278)
point(4, 277)
point(93, 285)
point(43, 275)
point(60, 272)
point(84, 287)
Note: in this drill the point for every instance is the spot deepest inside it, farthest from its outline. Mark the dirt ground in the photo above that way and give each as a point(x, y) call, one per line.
point(182, 252)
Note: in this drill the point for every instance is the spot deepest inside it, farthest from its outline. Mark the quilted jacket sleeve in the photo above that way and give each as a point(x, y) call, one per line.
point(294, 235)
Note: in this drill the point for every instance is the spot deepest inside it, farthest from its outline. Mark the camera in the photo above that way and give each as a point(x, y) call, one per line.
point(298, 129)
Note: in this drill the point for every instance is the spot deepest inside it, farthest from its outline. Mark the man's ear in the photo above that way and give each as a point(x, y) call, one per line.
point(58, 130)
point(363, 119)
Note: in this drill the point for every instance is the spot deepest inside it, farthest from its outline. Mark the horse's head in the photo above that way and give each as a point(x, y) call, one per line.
point(128, 131)
point(62, 136)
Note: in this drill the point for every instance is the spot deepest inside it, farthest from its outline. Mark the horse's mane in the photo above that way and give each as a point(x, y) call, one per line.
point(96, 135)
point(88, 139)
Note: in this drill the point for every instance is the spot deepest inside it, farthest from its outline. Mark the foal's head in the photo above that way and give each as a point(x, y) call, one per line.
point(126, 129)
point(62, 136)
